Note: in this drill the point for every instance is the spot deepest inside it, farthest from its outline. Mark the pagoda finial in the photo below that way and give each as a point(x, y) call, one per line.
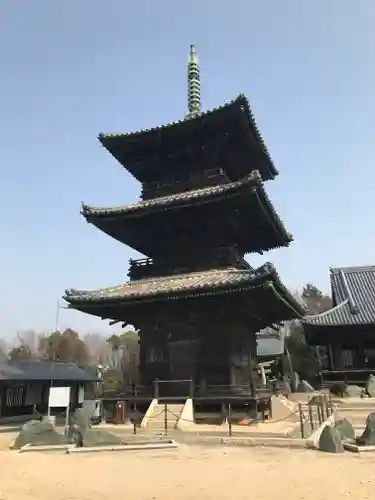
point(194, 84)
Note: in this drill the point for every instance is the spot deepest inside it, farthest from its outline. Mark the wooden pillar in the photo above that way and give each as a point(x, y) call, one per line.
point(251, 358)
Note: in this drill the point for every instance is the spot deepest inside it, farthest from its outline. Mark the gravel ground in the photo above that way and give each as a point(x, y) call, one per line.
point(187, 473)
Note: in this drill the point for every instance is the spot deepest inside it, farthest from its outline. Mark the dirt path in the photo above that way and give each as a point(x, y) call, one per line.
point(187, 473)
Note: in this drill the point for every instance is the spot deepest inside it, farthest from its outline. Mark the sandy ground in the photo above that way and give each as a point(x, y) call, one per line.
point(187, 473)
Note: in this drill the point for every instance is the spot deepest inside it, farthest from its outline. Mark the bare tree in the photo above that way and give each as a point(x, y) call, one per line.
point(98, 349)
point(3, 350)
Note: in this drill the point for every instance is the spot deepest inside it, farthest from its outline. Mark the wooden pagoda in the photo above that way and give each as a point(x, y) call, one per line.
point(345, 334)
point(194, 298)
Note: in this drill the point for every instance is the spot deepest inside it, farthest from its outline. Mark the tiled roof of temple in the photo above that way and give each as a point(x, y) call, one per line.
point(222, 190)
point(353, 294)
point(120, 222)
point(183, 285)
point(136, 150)
point(44, 370)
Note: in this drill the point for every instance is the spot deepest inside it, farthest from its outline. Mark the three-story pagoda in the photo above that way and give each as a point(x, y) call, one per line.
point(194, 298)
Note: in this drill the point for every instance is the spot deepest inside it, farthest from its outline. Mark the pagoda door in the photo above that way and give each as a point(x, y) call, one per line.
point(182, 365)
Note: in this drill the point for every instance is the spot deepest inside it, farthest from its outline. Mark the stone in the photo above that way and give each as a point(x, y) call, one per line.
point(286, 388)
point(295, 381)
point(370, 386)
point(79, 424)
point(354, 391)
point(100, 437)
point(345, 428)
point(339, 389)
point(368, 436)
point(330, 440)
point(35, 432)
point(304, 386)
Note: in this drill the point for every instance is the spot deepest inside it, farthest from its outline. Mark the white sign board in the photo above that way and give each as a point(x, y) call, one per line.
point(59, 397)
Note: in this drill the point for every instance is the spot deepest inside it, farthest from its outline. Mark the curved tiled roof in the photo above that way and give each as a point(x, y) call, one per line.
point(253, 179)
point(109, 219)
point(353, 294)
point(188, 282)
point(179, 198)
point(189, 285)
point(130, 149)
point(45, 370)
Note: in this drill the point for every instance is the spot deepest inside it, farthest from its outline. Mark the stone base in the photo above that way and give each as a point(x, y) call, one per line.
point(355, 448)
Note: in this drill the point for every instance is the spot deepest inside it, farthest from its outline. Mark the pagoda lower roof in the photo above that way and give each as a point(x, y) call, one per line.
point(189, 285)
point(153, 153)
point(129, 223)
point(353, 294)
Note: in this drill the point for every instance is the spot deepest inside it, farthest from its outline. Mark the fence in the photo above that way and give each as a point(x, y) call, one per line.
point(319, 407)
point(312, 415)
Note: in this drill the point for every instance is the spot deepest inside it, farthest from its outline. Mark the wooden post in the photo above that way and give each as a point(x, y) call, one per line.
point(325, 399)
point(250, 369)
point(301, 420)
point(330, 403)
point(191, 388)
point(319, 409)
point(156, 389)
point(311, 417)
point(166, 419)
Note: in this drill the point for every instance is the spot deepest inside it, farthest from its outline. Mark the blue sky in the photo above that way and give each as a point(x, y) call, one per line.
point(73, 69)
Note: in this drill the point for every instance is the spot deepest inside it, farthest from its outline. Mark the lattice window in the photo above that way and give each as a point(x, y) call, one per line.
point(155, 355)
point(14, 396)
point(348, 358)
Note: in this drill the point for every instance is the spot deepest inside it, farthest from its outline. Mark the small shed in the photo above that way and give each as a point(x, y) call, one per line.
point(24, 385)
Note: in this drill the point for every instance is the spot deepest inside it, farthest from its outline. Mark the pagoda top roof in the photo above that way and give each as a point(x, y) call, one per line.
point(353, 294)
point(185, 285)
point(150, 154)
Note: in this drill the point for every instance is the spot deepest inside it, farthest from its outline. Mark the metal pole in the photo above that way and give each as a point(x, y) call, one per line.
point(230, 420)
point(166, 419)
point(156, 388)
point(57, 317)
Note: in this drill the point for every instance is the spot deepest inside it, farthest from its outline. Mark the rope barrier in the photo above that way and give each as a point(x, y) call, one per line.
point(264, 422)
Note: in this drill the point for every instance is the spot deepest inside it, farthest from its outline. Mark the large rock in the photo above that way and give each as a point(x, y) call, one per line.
point(345, 428)
point(370, 386)
point(100, 437)
point(330, 440)
point(354, 391)
point(304, 386)
point(79, 424)
point(368, 436)
point(339, 389)
point(38, 433)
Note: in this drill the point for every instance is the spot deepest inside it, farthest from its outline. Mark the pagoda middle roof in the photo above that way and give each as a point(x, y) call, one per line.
point(353, 294)
point(111, 220)
point(169, 201)
point(151, 153)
